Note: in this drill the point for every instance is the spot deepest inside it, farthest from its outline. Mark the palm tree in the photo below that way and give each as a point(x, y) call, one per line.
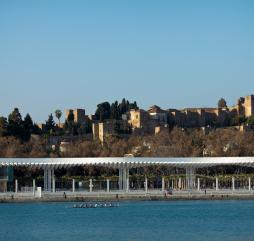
point(58, 114)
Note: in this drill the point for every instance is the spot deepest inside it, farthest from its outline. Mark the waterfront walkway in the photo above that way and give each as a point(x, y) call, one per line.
point(131, 195)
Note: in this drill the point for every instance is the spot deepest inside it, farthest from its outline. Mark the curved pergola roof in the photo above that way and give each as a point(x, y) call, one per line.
point(115, 162)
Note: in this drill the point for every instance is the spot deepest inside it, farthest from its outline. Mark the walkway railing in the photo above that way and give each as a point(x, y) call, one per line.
point(163, 185)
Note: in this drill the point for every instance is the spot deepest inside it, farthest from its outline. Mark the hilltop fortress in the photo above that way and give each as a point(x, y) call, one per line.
point(155, 119)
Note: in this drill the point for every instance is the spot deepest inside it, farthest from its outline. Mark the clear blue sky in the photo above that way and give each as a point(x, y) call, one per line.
point(67, 54)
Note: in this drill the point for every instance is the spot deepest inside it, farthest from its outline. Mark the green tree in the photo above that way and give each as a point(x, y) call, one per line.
point(80, 129)
point(133, 106)
point(58, 114)
point(127, 105)
point(103, 111)
point(15, 123)
point(50, 124)
point(36, 130)
point(88, 126)
point(69, 126)
point(28, 123)
point(222, 103)
point(3, 126)
point(250, 120)
point(117, 127)
point(28, 127)
point(237, 120)
point(123, 107)
point(70, 117)
point(114, 112)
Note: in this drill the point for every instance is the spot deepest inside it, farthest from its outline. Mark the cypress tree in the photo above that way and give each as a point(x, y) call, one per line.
point(15, 123)
point(28, 127)
point(50, 124)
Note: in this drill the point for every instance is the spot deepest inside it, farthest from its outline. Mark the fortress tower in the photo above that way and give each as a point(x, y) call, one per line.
point(249, 105)
point(79, 115)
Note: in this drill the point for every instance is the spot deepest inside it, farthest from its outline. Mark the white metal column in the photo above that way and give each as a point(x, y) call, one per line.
point(127, 180)
point(123, 178)
point(180, 183)
point(45, 180)
point(16, 186)
point(216, 184)
point(190, 177)
point(73, 185)
point(49, 180)
point(146, 185)
point(107, 185)
point(53, 183)
point(163, 184)
point(120, 178)
point(90, 185)
point(48, 173)
point(33, 187)
point(233, 183)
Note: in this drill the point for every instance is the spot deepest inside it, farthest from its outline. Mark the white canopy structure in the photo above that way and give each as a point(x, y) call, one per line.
point(124, 164)
point(181, 162)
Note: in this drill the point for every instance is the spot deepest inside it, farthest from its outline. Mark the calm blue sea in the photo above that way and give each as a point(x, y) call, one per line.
point(132, 221)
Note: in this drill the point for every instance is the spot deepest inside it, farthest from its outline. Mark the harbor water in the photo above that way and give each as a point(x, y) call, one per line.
point(131, 221)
